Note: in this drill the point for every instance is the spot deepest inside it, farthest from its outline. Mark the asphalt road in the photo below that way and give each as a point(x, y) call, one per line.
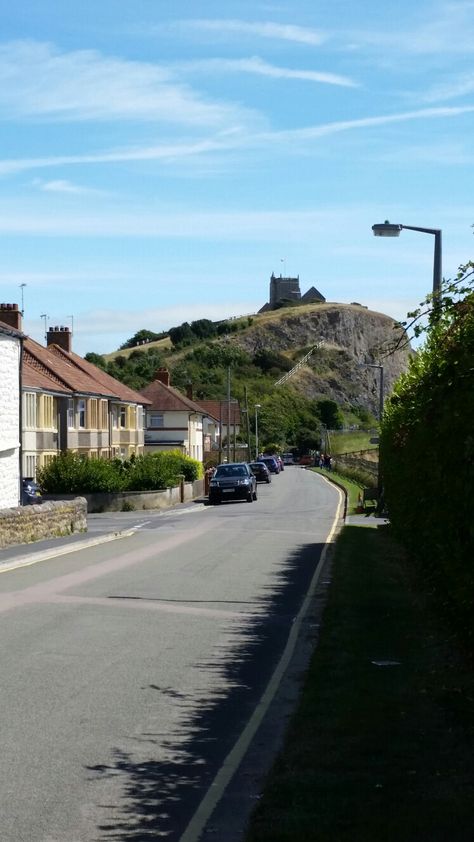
point(130, 671)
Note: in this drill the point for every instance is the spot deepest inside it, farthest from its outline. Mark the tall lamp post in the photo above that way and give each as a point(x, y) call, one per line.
point(257, 407)
point(380, 368)
point(381, 385)
point(387, 229)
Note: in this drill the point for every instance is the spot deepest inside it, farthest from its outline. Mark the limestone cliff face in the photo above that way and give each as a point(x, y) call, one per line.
point(352, 334)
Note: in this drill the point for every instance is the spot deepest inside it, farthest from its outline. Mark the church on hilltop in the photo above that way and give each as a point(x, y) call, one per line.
point(283, 290)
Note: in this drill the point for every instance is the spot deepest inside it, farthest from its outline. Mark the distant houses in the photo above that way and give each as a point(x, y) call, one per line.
point(177, 421)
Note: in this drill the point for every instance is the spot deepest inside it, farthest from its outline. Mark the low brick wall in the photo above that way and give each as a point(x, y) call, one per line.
point(51, 519)
point(121, 501)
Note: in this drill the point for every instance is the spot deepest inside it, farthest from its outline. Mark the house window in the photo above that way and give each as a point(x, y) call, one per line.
point(104, 415)
point(115, 417)
point(156, 420)
point(81, 413)
point(47, 415)
point(123, 416)
point(30, 467)
point(70, 414)
point(94, 418)
point(140, 417)
point(30, 412)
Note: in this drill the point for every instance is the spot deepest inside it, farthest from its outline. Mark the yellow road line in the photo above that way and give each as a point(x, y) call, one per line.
point(235, 756)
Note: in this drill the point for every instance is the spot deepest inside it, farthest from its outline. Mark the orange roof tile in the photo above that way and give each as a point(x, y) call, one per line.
point(72, 373)
point(166, 398)
point(218, 410)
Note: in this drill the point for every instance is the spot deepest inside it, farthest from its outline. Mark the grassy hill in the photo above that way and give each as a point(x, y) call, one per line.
point(259, 349)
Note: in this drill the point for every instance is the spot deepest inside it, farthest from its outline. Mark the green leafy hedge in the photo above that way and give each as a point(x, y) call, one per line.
point(72, 474)
point(427, 453)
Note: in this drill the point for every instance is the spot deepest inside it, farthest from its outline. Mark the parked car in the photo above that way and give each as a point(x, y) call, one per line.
point(30, 493)
point(262, 473)
point(233, 481)
point(272, 464)
point(306, 460)
point(288, 459)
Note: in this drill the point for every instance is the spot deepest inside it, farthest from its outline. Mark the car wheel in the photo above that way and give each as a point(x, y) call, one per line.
point(249, 497)
point(268, 480)
point(255, 494)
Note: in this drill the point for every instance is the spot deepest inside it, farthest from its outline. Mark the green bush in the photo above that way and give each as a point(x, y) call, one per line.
point(72, 474)
point(69, 473)
point(427, 456)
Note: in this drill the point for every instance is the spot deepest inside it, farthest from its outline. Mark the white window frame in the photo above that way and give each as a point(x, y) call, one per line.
point(81, 413)
point(154, 423)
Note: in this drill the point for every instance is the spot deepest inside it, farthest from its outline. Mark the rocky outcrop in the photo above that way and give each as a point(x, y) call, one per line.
point(352, 335)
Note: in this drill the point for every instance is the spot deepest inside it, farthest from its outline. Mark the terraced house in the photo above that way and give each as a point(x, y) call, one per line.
point(70, 404)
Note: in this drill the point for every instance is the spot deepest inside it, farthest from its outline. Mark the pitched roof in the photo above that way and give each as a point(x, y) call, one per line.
point(313, 294)
point(218, 410)
point(166, 398)
point(70, 373)
point(125, 393)
point(35, 375)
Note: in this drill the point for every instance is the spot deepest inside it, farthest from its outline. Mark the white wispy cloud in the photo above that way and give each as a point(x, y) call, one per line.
point(163, 152)
point(259, 29)
point(448, 28)
point(325, 129)
point(257, 66)
point(228, 141)
point(39, 81)
point(451, 88)
point(85, 277)
point(60, 185)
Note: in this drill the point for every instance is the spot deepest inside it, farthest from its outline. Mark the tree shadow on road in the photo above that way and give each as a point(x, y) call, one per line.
point(160, 796)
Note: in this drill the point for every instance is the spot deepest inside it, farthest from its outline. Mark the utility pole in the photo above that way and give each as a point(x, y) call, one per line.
point(248, 423)
point(228, 414)
point(22, 287)
point(45, 316)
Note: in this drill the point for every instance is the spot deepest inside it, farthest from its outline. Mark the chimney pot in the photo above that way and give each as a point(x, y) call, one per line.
point(61, 336)
point(11, 315)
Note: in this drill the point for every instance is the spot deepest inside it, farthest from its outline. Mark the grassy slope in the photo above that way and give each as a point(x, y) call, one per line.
point(258, 318)
point(376, 752)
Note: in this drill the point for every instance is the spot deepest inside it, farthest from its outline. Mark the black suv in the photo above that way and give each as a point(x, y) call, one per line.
point(233, 481)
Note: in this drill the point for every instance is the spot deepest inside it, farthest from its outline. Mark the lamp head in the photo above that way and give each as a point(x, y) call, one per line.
point(386, 229)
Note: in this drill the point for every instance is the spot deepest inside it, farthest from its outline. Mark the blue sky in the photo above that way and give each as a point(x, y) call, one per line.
point(158, 160)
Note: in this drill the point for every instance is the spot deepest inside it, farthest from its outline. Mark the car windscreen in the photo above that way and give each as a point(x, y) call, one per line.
point(231, 471)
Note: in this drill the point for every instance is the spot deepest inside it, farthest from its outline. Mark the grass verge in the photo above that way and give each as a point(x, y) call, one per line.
point(375, 752)
point(353, 489)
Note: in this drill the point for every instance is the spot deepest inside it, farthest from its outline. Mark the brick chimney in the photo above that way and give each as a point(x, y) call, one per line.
point(189, 391)
point(60, 336)
point(10, 315)
point(163, 375)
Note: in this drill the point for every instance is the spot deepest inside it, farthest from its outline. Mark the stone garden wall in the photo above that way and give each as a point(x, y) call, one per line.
point(25, 524)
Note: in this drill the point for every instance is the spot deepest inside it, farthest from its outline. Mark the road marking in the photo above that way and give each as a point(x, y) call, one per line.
point(139, 525)
point(236, 755)
point(54, 552)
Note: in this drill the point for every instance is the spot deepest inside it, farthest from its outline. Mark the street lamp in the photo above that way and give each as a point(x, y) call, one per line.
point(257, 407)
point(380, 368)
point(388, 229)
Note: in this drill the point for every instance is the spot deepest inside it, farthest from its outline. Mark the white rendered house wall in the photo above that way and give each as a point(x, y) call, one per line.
point(10, 350)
